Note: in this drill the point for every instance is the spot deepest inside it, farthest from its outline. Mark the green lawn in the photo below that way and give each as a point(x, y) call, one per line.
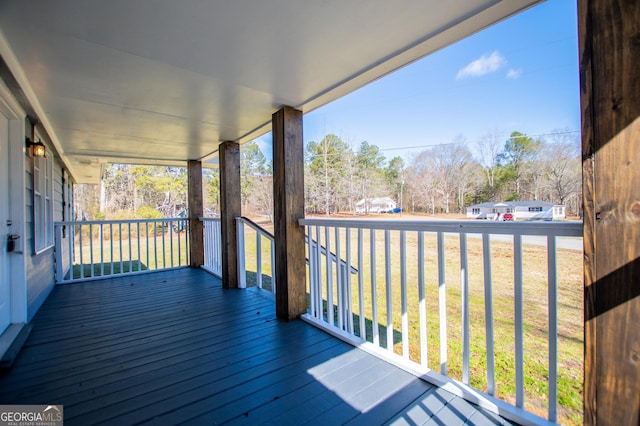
point(131, 254)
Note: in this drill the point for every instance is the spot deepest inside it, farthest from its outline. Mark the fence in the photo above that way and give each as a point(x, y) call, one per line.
point(91, 250)
point(385, 306)
point(255, 255)
point(212, 246)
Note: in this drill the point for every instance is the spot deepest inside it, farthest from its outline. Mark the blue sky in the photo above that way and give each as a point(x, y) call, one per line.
point(521, 74)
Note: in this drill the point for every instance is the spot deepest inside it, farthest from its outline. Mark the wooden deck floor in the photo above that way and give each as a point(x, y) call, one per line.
point(175, 348)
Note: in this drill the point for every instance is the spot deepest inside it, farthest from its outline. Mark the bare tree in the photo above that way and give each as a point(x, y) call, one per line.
point(561, 157)
point(86, 205)
point(450, 164)
point(468, 180)
point(489, 148)
point(422, 182)
point(352, 181)
point(262, 196)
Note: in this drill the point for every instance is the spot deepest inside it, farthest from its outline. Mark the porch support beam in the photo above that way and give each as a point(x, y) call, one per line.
point(196, 228)
point(230, 209)
point(609, 37)
point(288, 207)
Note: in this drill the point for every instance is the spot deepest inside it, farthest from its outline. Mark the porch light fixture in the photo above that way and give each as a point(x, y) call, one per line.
point(37, 148)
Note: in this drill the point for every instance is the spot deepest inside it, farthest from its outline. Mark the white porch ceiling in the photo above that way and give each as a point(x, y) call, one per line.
point(164, 81)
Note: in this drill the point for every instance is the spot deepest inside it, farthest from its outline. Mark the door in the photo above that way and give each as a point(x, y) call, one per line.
point(5, 292)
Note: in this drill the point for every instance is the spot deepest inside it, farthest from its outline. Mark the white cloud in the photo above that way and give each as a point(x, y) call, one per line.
point(263, 144)
point(484, 65)
point(514, 74)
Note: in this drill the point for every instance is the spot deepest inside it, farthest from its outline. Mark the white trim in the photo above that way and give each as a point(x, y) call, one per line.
point(44, 249)
point(106, 277)
point(43, 201)
point(211, 271)
point(8, 105)
point(562, 229)
point(16, 260)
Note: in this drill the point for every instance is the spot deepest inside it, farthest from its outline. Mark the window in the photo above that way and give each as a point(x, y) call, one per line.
point(476, 210)
point(509, 210)
point(43, 202)
point(535, 209)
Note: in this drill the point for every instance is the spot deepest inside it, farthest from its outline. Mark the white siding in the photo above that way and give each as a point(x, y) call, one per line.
point(40, 266)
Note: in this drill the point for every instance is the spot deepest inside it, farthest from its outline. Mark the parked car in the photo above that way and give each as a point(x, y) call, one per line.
point(396, 210)
point(507, 216)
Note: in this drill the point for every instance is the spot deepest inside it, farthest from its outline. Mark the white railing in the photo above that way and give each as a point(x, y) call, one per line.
point(254, 253)
point(90, 250)
point(344, 271)
point(396, 304)
point(212, 246)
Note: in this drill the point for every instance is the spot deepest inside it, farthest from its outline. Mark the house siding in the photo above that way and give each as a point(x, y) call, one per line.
point(521, 210)
point(40, 266)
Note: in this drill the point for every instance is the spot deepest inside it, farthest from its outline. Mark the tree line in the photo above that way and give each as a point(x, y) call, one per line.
point(133, 191)
point(441, 179)
point(446, 178)
point(148, 192)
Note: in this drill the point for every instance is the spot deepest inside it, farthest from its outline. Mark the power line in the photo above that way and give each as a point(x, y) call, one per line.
point(567, 132)
point(480, 140)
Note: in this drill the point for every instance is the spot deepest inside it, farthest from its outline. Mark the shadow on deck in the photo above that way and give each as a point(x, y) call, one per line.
point(175, 348)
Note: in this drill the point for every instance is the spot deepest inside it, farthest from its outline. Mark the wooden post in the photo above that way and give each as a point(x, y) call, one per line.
point(609, 36)
point(230, 209)
point(196, 228)
point(288, 208)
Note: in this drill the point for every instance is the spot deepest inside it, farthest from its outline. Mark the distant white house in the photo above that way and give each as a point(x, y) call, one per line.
point(375, 205)
point(521, 210)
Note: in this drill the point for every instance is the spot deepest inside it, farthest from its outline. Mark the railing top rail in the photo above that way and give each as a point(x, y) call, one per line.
point(255, 226)
point(209, 219)
point(116, 222)
point(559, 229)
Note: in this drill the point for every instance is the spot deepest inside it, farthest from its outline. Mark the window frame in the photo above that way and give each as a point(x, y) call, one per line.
point(67, 191)
point(43, 200)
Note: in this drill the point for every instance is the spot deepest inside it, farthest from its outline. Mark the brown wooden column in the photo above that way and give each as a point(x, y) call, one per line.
point(230, 209)
point(609, 35)
point(288, 208)
point(196, 228)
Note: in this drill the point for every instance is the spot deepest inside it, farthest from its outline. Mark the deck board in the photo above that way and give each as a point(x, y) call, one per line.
point(175, 348)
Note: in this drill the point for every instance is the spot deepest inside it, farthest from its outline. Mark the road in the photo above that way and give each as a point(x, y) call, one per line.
point(570, 243)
